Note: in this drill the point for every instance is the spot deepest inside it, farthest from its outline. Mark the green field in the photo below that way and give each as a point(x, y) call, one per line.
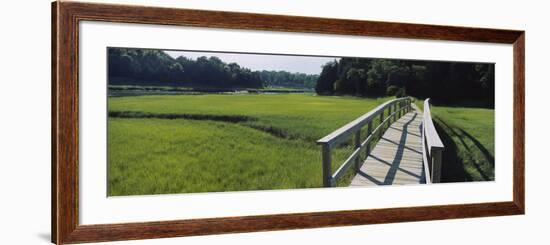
point(204, 143)
point(469, 138)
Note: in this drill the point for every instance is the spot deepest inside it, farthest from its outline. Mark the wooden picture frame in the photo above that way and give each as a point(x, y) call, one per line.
point(65, 121)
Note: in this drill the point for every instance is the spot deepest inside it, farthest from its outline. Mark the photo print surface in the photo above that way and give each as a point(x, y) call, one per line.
point(200, 121)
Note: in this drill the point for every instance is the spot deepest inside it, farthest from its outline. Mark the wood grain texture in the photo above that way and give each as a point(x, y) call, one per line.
point(234, 20)
point(519, 123)
point(65, 150)
point(149, 230)
point(65, 19)
point(54, 123)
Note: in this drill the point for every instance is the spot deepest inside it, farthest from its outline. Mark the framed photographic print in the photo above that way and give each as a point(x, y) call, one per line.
point(174, 122)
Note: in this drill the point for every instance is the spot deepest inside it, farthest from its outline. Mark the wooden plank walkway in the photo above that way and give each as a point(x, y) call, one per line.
point(397, 157)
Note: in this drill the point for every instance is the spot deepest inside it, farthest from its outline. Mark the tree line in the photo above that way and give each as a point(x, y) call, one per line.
point(155, 67)
point(444, 82)
point(289, 80)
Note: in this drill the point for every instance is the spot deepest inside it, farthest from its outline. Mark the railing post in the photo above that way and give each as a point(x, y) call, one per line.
point(381, 120)
point(436, 155)
point(327, 165)
point(394, 117)
point(399, 109)
point(369, 131)
point(357, 146)
point(389, 114)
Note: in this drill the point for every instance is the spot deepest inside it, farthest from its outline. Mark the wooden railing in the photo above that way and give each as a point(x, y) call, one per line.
point(396, 108)
point(432, 147)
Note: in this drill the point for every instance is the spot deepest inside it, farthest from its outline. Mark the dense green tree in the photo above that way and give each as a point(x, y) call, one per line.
point(288, 79)
point(444, 82)
point(155, 67)
point(329, 75)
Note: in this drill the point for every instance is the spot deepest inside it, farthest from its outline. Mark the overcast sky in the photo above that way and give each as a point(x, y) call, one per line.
point(258, 62)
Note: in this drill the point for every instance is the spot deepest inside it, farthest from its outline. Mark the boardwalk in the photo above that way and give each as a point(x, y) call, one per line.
point(397, 157)
point(409, 151)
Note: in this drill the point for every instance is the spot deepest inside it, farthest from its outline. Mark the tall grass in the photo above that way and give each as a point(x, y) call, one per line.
point(152, 156)
point(303, 116)
point(182, 144)
point(469, 138)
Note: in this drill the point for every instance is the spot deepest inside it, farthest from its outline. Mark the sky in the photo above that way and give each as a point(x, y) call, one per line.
point(258, 62)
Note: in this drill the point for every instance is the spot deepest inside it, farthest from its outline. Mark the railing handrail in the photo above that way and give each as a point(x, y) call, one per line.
point(345, 131)
point(432, 138)
point(354, 128)
point(432, 147)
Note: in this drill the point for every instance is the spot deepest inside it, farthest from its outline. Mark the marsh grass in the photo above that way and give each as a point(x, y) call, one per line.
point(469, 138)
point(211, 143)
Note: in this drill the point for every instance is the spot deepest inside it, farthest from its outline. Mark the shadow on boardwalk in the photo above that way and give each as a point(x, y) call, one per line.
point(397, 157)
